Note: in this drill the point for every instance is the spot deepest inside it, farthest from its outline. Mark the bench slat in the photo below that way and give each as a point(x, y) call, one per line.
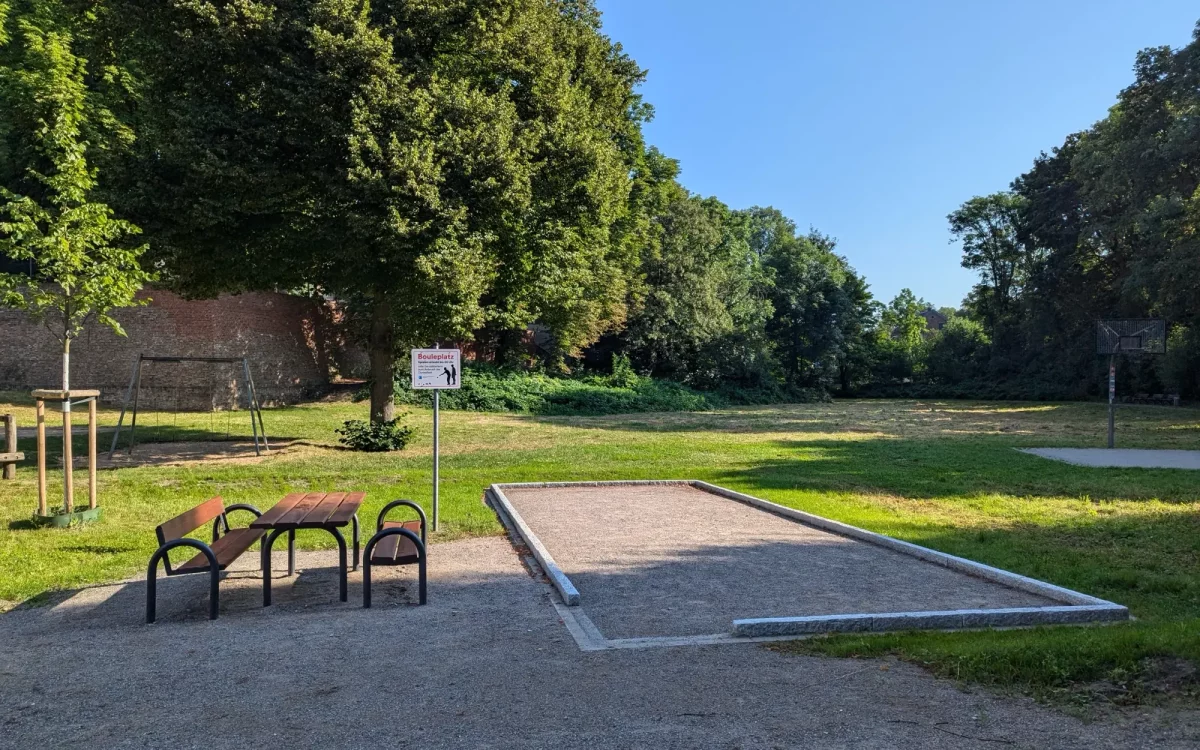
point(227, 549)
point(396, 549)
point(187, 522)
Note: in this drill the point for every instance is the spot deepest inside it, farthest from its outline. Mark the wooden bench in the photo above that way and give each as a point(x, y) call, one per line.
point(211, 558)
point(11, 456)
point(396, 543)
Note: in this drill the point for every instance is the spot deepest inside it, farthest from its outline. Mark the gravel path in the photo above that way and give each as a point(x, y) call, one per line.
point(1121, 458)
point(675, 560)
point(486, 664)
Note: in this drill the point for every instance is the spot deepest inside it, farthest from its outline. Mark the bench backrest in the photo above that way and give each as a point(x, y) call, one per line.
point(185, 523)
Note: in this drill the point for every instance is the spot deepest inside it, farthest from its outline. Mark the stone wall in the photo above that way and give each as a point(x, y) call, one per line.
point(295, 346)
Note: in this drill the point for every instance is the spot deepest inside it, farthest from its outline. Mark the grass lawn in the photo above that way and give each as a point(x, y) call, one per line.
point(941, 474)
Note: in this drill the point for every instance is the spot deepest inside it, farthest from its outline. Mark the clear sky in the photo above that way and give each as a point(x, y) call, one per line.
point(872, 120)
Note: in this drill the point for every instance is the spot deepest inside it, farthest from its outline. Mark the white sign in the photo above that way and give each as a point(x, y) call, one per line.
point(436, 368)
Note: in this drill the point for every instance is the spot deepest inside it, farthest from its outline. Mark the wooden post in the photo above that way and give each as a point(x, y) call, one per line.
point(10, 444)
point(68, 460)
point(41, 449)
point(92, 453)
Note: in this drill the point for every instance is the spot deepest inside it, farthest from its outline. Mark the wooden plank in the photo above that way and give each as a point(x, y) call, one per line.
point(396, 549)
point(10, 446)
point(50, 394)
point(227, 549)
point(68, 463)
point(350, 505)
point(10, 458)
point(92, 453)
point(185, 523)
point(317, 517)
point(273, 514)
point(41, 451)
point(294, 517)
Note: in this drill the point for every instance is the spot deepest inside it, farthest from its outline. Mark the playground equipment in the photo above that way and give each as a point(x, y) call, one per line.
point(133, 393)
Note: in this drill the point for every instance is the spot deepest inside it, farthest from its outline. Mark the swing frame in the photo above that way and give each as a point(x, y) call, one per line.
point(133, 393)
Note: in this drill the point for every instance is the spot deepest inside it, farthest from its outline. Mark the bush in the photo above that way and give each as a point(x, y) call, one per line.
point(375, 438)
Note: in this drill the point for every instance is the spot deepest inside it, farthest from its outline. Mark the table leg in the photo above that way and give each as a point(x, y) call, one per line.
point(266, 565)
point(291, 553)
point(357, 556)
point(342, 583)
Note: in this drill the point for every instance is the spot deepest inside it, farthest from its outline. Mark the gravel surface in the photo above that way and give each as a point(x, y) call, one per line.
point(486, 663)
point(1121, 458)
point(675, 560)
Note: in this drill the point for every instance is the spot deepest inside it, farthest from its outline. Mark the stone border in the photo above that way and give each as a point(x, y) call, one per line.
point(559, 579)
point(1073, 608)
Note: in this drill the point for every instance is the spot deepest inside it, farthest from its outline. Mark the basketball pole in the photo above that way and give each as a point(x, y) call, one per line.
point(1112, 406)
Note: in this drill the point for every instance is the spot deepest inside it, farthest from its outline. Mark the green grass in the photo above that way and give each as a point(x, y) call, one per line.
point(942, 474)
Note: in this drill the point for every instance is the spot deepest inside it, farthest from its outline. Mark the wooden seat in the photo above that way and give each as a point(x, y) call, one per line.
point(212, 558)
point(397, 549)
point(397, 543)
point(227, 549)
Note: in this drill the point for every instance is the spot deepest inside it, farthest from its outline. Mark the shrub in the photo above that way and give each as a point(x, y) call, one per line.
point(375, 438)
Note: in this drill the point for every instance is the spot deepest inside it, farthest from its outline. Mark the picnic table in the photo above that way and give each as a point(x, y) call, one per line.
point(330, 511)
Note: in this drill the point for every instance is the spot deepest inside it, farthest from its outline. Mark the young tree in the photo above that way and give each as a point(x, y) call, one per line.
point(81, 263)
point(438, 165)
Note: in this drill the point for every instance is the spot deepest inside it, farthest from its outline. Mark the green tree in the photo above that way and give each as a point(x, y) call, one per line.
point(821, 308)
point(901, 336)
point(80, 259)
point(958, 352)
point(700, 319)
point(438, 165)
point(988, 228)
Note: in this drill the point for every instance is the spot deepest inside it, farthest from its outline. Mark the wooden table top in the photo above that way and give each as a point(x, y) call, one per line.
point(313, 510)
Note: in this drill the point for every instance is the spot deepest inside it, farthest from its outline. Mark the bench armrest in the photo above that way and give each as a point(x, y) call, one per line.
point(398, 504)
point(223, 520)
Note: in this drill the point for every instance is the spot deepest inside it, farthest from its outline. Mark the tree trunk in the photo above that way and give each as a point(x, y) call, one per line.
point(381, 345)
point(66, 362)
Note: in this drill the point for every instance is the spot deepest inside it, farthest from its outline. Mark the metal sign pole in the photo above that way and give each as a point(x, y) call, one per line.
point(1112, 392)
point(436, 430)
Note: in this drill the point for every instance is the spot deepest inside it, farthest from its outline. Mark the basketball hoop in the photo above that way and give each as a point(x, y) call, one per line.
point(1132, 337)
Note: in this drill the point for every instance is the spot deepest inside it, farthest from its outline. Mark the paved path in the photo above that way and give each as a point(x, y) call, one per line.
point(1123, 458)
point(487, 664)
point(665, 560)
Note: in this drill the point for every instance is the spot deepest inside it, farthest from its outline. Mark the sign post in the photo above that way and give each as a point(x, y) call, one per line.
point(436, 369)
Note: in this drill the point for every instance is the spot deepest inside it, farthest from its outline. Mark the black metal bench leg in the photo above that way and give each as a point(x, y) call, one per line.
point(367, 578)
point(342, 582)
point(266, 566)
point(214, 577)
point(291, 553)
point(421, 578)
point(354, 523)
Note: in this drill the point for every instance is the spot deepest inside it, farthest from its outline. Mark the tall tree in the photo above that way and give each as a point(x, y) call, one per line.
point(81, 261)
point(988, 228)
point(438, 165)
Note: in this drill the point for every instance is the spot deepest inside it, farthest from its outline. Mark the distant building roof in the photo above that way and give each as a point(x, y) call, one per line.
point(934, 320)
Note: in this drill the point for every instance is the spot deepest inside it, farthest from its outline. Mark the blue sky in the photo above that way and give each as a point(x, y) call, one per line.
point(871, 121)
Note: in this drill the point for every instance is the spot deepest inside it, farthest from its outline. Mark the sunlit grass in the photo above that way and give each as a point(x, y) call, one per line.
point(942, 474)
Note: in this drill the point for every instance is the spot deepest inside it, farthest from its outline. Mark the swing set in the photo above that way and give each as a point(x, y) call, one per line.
point(133, 394)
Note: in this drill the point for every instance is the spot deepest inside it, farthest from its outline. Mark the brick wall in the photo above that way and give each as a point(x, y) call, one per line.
point(294, 345)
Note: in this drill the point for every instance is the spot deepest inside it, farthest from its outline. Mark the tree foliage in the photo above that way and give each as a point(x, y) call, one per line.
point(79, 258)
point(440, 165)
